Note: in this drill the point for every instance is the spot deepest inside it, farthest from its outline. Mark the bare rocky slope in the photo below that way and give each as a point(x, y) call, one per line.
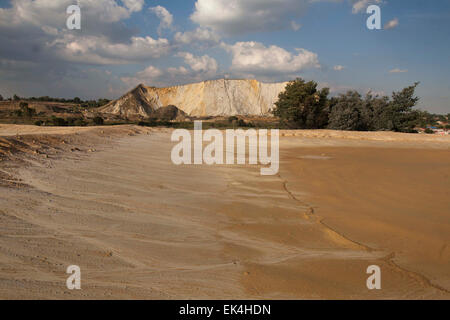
point(208, 98)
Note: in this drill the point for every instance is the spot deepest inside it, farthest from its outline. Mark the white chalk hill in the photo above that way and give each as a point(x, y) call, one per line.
point(208, 98)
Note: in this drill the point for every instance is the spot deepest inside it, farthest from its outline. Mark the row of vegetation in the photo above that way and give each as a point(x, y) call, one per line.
point(69, 122)
point(82, 103)
point(29, 115)
point(230, 123)
point(304, 106)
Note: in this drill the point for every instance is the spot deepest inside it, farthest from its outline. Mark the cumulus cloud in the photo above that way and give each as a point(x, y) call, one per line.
point(245, 16)
point(98, 50)
point(198, 68)
point(134, 5)
point(338, 68)
point(35, 31)
point(165, 17)
point(397, 70)
point(256, 59)
point(391, 24)
point(201, 36)
point(362, 5)
point(204, 64)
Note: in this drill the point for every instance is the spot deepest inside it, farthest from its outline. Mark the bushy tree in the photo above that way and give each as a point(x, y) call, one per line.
point(348, 113)
point(302, 105)
point(373, 110)
point(399, 115)
point(1, 97)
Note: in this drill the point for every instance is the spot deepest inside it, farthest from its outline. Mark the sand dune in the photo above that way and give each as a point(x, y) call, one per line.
point(111, 201)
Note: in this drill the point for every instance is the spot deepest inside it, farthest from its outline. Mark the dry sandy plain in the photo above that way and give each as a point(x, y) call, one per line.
point(110, 201)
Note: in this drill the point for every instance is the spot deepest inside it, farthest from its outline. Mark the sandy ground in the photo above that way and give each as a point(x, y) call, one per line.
point(110, 201)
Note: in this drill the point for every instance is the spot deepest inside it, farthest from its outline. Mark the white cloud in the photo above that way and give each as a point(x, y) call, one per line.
point(198, 36)
point(338, 68)
point(391, 24)
point(180, 71)
point(40, 26)
point(98, 50)
point(149, 73)
point(53, 13)
point(134, 5)
point(397, 70)
point(199, 69)
point(245, 16)
point(255, 58)
point(204, 64)
point(150, 76)
point(165, 17)
point(361, 5)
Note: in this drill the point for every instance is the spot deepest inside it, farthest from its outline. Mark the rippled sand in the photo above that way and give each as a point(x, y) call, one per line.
point(110, 201)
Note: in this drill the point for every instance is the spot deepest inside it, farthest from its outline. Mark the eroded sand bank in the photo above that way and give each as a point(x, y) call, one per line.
point(111, 201)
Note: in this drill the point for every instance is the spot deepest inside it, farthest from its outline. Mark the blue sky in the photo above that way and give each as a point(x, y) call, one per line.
point(163, 43)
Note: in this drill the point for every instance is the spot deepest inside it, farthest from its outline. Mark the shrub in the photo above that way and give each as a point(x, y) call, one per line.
point(58, 122)
point(80, 123)
point(429, 131)
point(241, 123)
point(18, 113)
point(232, 119)
point(98, 121)
point(26, 111)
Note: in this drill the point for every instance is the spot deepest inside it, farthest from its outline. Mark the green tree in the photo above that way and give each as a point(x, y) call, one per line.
point(395, 114)
point(373, 110)
point(1, 97)
point(302, 105)
point(348, 113)
point(399, 115)
point(16, 97)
